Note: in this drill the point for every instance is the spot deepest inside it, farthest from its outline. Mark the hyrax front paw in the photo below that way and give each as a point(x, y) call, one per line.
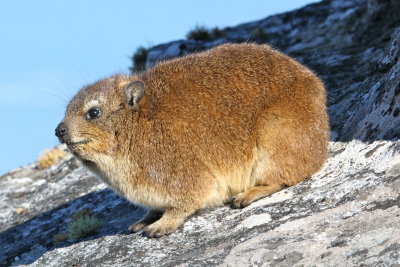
point(156, 230)
point(169, 222)
point(148, 219)
point(240, 201)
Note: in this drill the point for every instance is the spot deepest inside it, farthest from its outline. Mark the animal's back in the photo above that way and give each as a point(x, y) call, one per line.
point(247, 111)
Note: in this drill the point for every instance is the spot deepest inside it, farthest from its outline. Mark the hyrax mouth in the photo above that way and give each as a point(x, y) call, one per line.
point(83, 142)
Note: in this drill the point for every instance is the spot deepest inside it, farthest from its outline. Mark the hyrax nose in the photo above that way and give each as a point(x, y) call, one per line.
point(61, 130)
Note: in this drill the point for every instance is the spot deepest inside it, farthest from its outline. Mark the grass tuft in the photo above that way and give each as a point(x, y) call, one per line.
point(259, 34)
point(139, 59)
point(59, 238)
point(50, 157)
point(201, 33)
point(83, 224)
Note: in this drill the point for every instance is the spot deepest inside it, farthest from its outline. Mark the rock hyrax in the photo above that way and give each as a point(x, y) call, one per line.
point(235, 123)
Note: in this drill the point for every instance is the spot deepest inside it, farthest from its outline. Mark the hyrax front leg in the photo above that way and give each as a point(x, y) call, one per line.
point(169, 222)
point(254, 193)
point(149, 218)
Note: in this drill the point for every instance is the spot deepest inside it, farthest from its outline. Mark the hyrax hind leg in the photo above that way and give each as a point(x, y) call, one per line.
point(289, 149)
point(149, 218)
point(254, 193)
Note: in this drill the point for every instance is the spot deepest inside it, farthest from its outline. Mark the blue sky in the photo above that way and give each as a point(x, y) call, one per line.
point(49, 49)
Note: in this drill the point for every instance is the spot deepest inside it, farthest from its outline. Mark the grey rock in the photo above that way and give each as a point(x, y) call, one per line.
point(347, 214)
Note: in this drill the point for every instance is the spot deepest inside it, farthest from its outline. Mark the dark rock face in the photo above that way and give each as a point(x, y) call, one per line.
point(347, 214)
point(352, 45)
point(354, 63)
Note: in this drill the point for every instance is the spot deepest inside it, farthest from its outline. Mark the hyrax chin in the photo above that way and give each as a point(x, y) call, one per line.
point(235, 123)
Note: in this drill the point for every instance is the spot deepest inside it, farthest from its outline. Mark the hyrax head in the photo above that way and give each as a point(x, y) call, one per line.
point(97, 115)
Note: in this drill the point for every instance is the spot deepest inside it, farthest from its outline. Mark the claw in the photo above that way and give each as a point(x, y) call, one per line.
point(155, 233)
point(238, 203)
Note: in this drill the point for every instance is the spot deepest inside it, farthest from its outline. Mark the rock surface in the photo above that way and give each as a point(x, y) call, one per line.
point(347, 214)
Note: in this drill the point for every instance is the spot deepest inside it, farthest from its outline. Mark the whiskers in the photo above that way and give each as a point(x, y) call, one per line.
point(57, 89)
point(56, 94)
point(55, 101)
point(88, 135)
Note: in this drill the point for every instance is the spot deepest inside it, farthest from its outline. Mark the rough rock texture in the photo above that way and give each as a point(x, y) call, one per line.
point(347, 214)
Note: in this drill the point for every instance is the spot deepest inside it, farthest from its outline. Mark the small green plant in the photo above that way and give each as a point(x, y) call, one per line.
point(259, 34)
point(217, 33)
point(201, 33)
point(83, 224)
point(139, 59)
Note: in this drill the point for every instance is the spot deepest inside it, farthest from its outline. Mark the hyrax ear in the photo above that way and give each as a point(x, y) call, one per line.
point(134, 92)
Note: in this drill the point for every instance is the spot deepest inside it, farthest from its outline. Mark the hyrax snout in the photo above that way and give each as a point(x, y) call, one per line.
point(235, 123)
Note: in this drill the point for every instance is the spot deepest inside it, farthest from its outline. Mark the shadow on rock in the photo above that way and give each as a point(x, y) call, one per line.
point(26, 242)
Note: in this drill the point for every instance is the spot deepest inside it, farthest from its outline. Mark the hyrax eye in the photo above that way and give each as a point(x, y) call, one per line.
point(93, 113)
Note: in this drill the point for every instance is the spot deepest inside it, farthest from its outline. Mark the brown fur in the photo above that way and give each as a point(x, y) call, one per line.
point(237, 120)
